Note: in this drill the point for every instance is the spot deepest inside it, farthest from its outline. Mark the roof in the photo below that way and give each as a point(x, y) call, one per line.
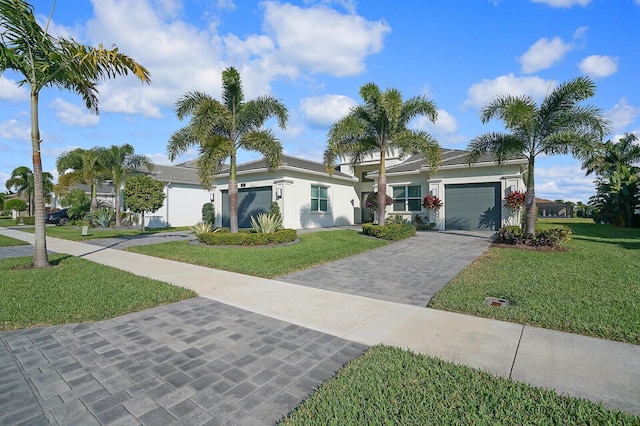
point(449, 158)
point(288, 163)
point(176, 174)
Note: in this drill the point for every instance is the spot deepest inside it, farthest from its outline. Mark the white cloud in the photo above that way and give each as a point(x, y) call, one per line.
point(563, 3)
point(179, 56)
point(10, 91)
point(445, 124)
point(321, 40)
point(566, 182)
point(225, 4)
point(14, 129)
point(321, 112)
point(599, 66)
point(481, 93)
point(622, 114)
point(544, 53)
point(73, 115)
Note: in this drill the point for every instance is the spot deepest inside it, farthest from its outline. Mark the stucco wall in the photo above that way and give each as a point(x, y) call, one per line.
point(295, 197)
point(182, 206)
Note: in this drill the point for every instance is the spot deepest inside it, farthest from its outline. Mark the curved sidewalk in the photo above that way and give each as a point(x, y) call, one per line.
point(600, 370)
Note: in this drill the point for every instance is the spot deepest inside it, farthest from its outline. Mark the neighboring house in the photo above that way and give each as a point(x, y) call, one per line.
point(309, 197)
point(548, 208)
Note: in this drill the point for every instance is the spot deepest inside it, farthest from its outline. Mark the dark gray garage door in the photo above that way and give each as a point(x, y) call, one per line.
point(472, 206)
point(251, 202)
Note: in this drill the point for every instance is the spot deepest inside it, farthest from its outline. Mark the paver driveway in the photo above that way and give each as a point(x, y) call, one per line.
point(191, 362)
point(410, 271)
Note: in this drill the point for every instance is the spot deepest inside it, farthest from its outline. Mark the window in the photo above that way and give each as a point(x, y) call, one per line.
point(407, 198)
point(319, 199)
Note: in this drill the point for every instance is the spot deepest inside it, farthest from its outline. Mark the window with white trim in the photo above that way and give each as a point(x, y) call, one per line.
point(407, 198)
point(319, 198)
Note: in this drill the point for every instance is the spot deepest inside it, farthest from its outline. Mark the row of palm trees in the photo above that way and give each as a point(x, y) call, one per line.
point(559, 125)
point(94, 166)
point(21, 182)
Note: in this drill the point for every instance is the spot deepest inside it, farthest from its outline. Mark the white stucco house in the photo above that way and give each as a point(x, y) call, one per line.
point(309, 197)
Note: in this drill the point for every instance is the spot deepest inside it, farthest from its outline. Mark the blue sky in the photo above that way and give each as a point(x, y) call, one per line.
point(315, 54)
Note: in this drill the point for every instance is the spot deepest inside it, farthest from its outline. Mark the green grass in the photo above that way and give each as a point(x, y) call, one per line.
point(8, 241)
point(74, 233)
point(8, 222)
point(313, 249)
point(593, 289)
point(63, 293)
point(392, 386)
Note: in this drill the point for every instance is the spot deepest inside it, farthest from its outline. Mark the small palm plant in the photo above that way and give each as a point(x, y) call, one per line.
point(201, 228)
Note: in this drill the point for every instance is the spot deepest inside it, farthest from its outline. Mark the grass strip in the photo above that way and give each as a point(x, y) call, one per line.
point(313, 249)
point(74, 233)
point(388, 385)
point(74, 290)
point(593, 289)
point(9, 242)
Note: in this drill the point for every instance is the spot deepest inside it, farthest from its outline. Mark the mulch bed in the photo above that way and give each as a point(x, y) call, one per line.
point(556, 249)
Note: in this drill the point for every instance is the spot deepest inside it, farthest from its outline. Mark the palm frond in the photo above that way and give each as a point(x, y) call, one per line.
point(503, 146)
point(266, 143)
point(232, 95)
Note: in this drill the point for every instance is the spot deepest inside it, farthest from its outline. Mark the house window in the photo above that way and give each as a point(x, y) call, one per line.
point(319, 199)
point(407, 198)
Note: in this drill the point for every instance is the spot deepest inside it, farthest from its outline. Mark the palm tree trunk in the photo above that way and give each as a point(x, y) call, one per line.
point(94, 198)
point(382, 188)
point(531, 200)
point(233, 195)
point(40, 259)
point(117, 206)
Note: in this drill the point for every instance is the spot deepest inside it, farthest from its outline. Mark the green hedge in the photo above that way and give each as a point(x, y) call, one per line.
point(393, 231)
point(551, 237)
point(249, 239)
point(27, 220)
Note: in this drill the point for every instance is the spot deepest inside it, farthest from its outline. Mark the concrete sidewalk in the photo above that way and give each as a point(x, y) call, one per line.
point(596, 369)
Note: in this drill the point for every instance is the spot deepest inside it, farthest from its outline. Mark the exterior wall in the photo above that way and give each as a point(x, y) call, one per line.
point(292, 192)
point(182, 206)
point(509, 176)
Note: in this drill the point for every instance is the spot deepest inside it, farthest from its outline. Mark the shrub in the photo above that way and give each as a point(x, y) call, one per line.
point(431, 203)
point(208, 214)
point(103, 217)
point(515, 200)
point(202, 228)
point(249, 239)
point(26, 220)
point(551, 237)
point(392, 231)
point(397, 219)
point(274, 210)
point(15, 204)
point(266, 223)
point(372, 201)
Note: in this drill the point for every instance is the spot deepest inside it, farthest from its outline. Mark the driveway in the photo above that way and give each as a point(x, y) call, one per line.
point(190, 362)
point(410, 271)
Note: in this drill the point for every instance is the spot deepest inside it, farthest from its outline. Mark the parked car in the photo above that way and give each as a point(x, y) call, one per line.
point(59, 218)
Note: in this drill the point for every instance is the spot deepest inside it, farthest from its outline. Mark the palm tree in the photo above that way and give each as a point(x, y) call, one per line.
point(378, 125)
point(83, 166)
point(22, 182)
point(560, 125)
point(46, 61)
point(614, 156)
point(121, 161)
point(220, 129)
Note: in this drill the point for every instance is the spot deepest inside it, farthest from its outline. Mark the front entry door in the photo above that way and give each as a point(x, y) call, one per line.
point(367, 213)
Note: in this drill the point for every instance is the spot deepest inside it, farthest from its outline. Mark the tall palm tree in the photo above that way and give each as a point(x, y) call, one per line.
point(46, 61)
point(22, 182)
point(83, 166)
point(377, 125)
point(121, 161)
point(614, 156)
point(560, 125)
point(220, 129)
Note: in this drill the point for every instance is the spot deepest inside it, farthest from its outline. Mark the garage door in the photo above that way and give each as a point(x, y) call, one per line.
point(472, 206)
point(251, 202)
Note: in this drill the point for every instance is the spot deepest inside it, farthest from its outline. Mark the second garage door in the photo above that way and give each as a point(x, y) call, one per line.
point(473, 206)
point(251, 202)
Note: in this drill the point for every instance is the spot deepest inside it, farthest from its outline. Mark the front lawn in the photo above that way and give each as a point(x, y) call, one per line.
point(592, 289)
point(392, 386)
point(63, 293)
point(74, 233)
point(8, 242)
point(313, 249)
